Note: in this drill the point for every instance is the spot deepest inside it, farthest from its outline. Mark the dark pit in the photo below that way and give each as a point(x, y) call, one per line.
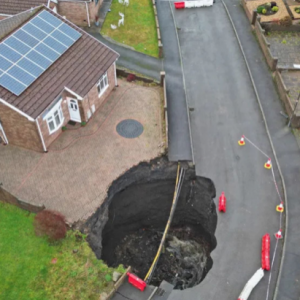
point(128, 227)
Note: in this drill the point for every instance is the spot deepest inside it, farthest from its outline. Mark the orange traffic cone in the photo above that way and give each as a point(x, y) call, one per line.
point(278, 235)
point(280, 207)
point(241, 142)
point(268, 164)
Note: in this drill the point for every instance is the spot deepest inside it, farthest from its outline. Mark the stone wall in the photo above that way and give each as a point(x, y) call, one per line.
point(9, 198)
point(160, 45)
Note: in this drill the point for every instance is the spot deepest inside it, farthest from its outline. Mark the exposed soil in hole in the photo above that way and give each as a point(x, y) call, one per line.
point(182, 262)
point(128, 227)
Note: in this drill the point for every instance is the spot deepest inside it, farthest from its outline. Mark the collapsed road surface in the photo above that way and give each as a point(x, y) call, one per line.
point(128, 227)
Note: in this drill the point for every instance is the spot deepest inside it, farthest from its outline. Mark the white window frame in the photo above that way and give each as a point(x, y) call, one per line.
point(104, 79)
point(51, 117)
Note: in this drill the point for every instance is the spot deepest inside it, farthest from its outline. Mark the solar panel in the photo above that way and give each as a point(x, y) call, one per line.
point(28, 52)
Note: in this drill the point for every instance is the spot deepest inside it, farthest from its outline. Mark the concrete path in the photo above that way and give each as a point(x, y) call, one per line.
point(219, 88)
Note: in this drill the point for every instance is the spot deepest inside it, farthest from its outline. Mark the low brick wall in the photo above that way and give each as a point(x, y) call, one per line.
point(160, 45)
point(265, 46)
point(5, 196)
point(283, 93)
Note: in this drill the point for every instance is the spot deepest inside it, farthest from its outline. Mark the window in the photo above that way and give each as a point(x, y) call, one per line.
point(55, 118)
point(102, 84)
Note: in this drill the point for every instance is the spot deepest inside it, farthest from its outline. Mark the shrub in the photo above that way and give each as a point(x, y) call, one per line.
point(260, 9)
point(83, 123)
point(64, 128)
point(131, 77)
point(264, 11)
point(275, 8)
point(297, 10)
point(51, 224)
point(286, 21)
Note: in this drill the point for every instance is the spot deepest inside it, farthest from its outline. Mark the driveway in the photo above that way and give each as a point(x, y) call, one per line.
point(73, 177)
point(220, 90)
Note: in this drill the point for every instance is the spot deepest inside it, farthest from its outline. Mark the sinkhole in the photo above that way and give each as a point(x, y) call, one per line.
point(128, 227)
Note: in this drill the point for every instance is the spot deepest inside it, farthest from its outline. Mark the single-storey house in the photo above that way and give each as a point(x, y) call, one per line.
point(79, 12)
point(51, 72)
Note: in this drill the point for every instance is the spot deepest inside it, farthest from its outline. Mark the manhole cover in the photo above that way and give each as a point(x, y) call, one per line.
point(130, 129)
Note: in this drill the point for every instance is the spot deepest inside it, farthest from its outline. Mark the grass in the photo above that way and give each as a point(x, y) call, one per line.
point(27, 268)
point(139, 30)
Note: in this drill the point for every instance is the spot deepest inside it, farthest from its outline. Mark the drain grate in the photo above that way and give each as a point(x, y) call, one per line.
point(130, 129)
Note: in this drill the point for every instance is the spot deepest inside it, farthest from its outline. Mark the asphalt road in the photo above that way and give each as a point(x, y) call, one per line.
point(219, 88)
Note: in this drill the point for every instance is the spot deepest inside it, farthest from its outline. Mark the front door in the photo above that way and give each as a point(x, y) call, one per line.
point(74, 110)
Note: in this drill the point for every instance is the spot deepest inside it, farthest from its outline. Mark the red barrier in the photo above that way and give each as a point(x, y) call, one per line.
point(179, 5)
point(136, 282)
point(222, 202)
point(265, 252)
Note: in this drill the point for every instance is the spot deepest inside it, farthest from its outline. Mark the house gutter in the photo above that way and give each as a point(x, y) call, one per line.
point(5, 15)
point(41, 136)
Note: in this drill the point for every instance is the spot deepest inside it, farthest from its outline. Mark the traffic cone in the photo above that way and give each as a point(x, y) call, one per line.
point(278, 234)
point(268, 164)
point(280, 207)
point(241, 142)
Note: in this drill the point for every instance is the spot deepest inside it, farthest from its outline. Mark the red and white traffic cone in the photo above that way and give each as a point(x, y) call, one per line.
point(268, 164)
point(278, 234)
point(242, 142)
point(280, 207)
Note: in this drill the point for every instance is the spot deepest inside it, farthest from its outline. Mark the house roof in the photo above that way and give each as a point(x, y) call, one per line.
point(78, 69)
point(12, 7)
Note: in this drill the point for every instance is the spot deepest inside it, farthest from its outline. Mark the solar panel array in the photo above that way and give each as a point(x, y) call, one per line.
point(32, 49)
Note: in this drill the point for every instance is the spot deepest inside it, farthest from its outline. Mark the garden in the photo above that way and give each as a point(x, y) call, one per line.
point(57, 266)
point(138, 29)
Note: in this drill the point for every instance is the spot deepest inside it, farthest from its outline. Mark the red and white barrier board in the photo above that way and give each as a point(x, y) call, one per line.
point(251, 284)
point(265, 252)
point(191, 4)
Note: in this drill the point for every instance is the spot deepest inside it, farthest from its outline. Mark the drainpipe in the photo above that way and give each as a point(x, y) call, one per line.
point(115, 69)
point(4, 135)
point(40, 133)
point(88, 14)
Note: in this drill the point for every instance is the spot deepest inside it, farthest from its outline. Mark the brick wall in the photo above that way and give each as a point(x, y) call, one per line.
point(265, 46)
point(92, 97)
point(19, 130)
point(49, 138)
point(74, 12)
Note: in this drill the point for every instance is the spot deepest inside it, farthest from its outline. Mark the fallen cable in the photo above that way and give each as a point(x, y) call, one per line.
point(178, 186)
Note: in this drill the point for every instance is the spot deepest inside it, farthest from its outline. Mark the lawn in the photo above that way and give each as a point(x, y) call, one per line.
point(32, 268)
point(139, 30)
